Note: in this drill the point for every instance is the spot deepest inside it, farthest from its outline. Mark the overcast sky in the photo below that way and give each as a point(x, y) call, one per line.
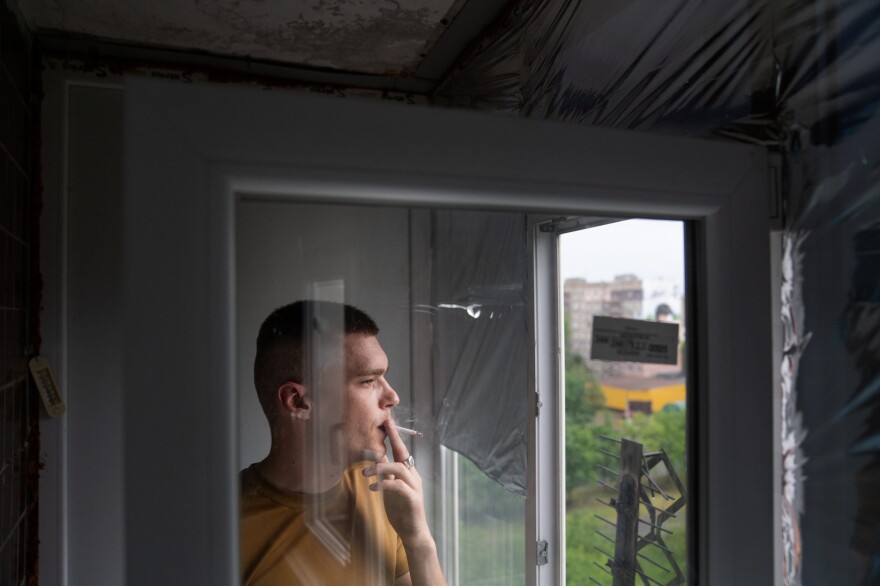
point(650, 249)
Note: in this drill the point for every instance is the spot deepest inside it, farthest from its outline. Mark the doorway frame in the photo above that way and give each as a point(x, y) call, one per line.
point(192, 151)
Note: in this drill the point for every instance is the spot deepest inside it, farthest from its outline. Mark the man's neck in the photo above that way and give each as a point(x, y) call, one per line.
point(294, 473)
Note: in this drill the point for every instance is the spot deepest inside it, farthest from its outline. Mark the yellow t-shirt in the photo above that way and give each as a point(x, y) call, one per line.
point(341, 536)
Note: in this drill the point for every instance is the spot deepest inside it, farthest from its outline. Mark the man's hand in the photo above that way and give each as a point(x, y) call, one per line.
point(404, 504)
point(402, 488)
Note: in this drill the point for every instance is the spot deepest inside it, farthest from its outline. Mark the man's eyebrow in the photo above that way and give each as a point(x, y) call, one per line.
point(371, 372)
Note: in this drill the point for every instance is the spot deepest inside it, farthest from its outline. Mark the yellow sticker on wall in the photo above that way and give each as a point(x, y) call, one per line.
point(47, 386)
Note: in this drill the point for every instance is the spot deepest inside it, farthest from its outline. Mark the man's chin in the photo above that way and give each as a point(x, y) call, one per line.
point(370, 455)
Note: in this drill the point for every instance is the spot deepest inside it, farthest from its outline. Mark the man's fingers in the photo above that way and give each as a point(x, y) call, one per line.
point(390, 485)
point(398, 448)
point(390, 470)
point(386, 476)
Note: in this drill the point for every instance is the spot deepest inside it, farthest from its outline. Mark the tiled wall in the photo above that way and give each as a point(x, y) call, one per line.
point(18, 408)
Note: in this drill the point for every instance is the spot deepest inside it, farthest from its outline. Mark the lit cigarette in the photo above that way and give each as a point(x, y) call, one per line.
point(409, 431)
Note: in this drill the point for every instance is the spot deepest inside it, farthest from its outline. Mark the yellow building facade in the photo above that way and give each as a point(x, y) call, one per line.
point(640, 394)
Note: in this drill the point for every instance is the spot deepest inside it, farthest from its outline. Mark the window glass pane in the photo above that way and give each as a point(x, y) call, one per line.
point(491, 530)
point(447, 290)
point(624, 418)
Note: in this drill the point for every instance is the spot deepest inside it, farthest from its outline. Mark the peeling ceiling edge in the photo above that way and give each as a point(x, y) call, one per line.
point(471, 48)
point(61, 43)
point(473, 21)
point(447, 22)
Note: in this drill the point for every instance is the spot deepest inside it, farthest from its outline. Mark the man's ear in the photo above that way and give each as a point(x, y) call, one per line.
point(293, 400)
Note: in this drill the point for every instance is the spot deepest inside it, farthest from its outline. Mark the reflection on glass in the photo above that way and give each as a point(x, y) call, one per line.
point(446, 290)
point(624, 420)
point(491, 530)
point(329, 504)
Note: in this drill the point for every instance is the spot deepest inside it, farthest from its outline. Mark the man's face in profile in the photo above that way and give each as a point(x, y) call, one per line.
point(368, 398)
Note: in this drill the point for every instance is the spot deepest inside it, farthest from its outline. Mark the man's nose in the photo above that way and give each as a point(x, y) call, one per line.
point(390, 396)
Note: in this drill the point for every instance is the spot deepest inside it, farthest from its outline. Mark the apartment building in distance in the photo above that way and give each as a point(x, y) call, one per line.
point(626, 296)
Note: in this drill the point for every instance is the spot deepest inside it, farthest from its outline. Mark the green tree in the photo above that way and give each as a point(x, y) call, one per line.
point(582, 455)
point(583, 397)
point(581, 539)
point(662, 429)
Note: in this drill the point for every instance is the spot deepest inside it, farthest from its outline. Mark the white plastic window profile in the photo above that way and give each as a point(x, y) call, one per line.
point(191, 152)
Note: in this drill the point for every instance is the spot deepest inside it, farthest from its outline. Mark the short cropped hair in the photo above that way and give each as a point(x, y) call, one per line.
point(282, 338)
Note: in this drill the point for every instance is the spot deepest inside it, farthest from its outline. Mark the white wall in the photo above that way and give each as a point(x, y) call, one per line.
point(82, 534)
point(82, 318)
point(283, 248)
point(82, 492)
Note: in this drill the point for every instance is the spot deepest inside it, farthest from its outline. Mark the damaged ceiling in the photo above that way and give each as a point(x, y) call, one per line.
point(406, 45)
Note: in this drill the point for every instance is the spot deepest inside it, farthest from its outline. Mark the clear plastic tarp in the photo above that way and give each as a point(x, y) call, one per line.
point(801, 77)
point(481, 340)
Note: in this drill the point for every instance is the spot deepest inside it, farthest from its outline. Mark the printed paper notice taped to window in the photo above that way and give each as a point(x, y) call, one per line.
point(634, 340)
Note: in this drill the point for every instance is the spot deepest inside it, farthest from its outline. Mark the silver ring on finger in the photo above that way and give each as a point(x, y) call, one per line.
point(409, 462)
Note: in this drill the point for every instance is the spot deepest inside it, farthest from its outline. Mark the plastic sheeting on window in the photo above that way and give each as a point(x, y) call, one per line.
point(803, 78)
point(687, 67)
point(481, 340)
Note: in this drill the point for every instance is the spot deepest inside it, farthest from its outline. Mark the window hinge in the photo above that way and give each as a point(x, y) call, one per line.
point(542, 552)
point(538, 404)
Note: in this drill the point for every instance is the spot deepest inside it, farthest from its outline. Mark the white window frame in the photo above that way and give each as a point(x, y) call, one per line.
point(549, 381)
point(547, 439)
point(192, 150)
